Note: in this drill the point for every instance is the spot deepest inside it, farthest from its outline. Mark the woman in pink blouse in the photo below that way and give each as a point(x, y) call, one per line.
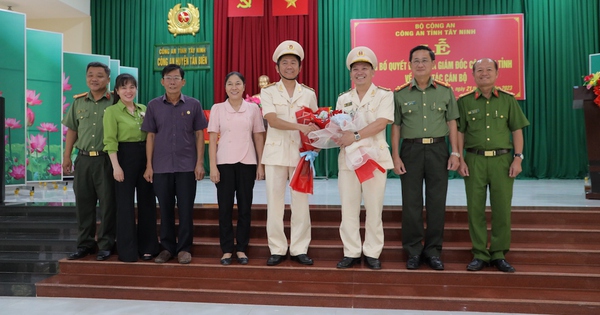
point(236, 141)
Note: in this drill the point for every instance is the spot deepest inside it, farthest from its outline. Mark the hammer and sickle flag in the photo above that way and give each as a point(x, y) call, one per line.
point(184, 20)
point(240, 8)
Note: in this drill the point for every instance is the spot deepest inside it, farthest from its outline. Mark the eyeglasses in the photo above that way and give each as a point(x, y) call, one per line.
point(424, 61)
point(170, 78)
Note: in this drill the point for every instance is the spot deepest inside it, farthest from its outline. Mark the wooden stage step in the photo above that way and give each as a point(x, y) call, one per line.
point(555, 251)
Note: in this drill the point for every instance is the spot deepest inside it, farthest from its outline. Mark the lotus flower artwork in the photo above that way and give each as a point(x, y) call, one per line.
point(47, 127)
point(55, 169)
point(36, 143)
point(32, 98)
point(17, 171)
point(65, 83)
point(30, 116)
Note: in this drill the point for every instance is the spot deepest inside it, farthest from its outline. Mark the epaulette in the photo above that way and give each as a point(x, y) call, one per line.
point(76, 96)
point(402, 86)
point(383, 88)
point(270, 84)
point(506, 92)
point(442, 83)
point(465, 94)
point(345, 92)
point(308, 87)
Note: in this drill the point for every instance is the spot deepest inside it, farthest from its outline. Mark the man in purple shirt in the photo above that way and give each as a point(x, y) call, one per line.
point(175, 152)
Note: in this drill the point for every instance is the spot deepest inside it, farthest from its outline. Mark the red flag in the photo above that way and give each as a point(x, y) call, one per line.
point(290, 7)
point(237, 8)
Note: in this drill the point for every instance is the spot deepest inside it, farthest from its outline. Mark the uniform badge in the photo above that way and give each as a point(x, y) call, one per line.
point(348, 104)
point(475, 111)
point(184, 20)
point(410, 103)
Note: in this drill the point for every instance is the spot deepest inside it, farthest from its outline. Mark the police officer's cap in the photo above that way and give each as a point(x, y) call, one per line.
point(288, 47)
point(361, 54)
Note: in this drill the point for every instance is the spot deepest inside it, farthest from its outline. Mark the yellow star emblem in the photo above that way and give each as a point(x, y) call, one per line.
point(291, 3)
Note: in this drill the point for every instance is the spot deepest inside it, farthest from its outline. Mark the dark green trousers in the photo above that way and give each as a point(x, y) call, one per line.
point(492, 173)
point(94, 183)
point(426, 163)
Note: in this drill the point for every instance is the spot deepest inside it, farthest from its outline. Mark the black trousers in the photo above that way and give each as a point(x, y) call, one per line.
point(171, 188)
point(429, 163)
point(237, 181)
point(135, 241)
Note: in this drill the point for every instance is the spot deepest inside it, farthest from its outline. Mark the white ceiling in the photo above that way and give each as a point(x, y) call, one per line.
point(48, 9)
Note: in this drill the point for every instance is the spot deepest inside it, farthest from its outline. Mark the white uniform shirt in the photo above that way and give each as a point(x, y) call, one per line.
point(377, 103)
point(282, 147)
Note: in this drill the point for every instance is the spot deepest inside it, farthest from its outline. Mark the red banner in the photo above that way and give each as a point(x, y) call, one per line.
point(238, 8)
point(458, 42)
point(290, 7)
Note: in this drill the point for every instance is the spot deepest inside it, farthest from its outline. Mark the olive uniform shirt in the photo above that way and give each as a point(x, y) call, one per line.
point(122, 126)
point(85, 117)
point(424, 113)
point(488, 124)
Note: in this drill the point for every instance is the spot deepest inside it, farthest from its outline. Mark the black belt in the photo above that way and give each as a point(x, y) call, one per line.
point(425, 140)
point(489, 152)
point(92, 153)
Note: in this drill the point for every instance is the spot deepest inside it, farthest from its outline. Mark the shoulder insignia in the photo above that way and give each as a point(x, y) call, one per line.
point(383, 88)
point(465, 94)
point(84, 94)
point(308, 87)
point(442, 83)
point(270, 84)
point(345, 92)
point(402, 86)
point(505, 92)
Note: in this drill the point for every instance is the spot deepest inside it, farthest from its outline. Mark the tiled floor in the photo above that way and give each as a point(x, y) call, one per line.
point(551, 193)
point(558, 193)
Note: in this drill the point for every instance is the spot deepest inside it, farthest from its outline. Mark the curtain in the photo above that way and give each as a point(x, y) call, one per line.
point(246, 45)
point(559, 36)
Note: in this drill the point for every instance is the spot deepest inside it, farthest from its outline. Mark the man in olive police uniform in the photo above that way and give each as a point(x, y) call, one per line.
point(425, 113)
point(93, 178)
point(375, 107)
point(280, 102)
point(489, 117)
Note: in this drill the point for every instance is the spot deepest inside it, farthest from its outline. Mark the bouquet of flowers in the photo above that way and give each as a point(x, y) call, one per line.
point(592, 81)
point(360, 156)
point(302, 180)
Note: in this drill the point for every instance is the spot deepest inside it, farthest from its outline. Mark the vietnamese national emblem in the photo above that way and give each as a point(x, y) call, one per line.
point(184, 20)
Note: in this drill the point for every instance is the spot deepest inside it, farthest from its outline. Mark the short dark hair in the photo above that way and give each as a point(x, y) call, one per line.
point(297, 58)
point(96, 64)
point(476, 62)
point(122, 80)
point(232, 73)
point(422, 47)
point(170, 67)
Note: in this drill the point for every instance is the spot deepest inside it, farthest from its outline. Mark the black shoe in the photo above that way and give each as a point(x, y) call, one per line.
point(303, 259)
point(103, 255)
point(275, 260)
point(80, 253)
point(147, 257)
point(476, 264)
point(435, 263)
point(226, 261)
point(373, 263)
point(348, 262)
point(413, 262)
point(503, 265)
point(242, 260)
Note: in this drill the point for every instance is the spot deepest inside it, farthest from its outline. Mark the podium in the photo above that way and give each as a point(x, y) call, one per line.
point(584, 98)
